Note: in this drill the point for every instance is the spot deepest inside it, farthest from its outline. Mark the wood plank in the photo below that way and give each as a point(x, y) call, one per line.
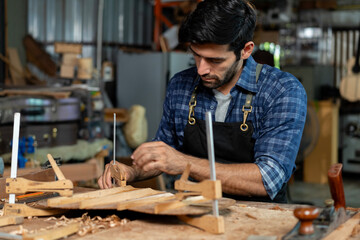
point(61, 47)
point(55, 233)
point(11, 220)
point(17, 77)
point(145, 200)
point(344, 230)
point(161, 207)
point(56, 95)
point(56, 202)
point(115, 198)
point(56, 168)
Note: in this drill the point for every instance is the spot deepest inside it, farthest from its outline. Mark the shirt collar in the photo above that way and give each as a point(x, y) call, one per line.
point(247, 78)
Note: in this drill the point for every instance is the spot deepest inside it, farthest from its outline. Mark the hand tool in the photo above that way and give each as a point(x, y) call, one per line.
point(315, 224)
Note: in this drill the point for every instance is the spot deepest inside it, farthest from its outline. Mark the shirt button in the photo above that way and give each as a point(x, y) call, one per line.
point(211, 107)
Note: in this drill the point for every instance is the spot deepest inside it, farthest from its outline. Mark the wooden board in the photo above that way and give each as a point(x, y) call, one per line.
point(61, 47)
point(194, 209)
point(142, 200)
point(325, 154)
point(16, 76)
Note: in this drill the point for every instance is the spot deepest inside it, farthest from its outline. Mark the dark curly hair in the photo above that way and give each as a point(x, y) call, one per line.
point(221, 22)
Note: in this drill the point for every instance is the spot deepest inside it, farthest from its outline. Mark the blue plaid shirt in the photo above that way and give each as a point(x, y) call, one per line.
point(278, 116)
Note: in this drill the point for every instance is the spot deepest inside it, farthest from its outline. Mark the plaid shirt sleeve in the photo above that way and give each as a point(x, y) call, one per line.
point(280, 134)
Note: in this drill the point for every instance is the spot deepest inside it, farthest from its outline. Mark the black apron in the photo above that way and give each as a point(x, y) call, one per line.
point(227, 138)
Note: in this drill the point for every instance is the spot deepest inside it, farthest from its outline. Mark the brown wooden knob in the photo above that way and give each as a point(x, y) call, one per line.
point(306, 217)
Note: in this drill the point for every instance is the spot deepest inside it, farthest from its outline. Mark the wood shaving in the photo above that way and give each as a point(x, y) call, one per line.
point(356, 231)
point(250, 216)
point(277, 208)
point(20, 231)
point(352, 209)
point(88, 225)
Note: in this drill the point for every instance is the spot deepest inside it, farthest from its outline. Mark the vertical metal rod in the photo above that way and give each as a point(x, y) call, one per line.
point(114, 144)
point(15, 152)
point(211, 156)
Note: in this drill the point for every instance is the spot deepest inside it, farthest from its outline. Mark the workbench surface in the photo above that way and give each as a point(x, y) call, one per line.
point(242, 220)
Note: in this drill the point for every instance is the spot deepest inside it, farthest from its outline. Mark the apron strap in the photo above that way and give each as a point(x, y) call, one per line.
point(247, 108)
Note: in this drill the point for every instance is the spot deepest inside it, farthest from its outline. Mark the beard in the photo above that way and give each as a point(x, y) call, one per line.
point(216, 82)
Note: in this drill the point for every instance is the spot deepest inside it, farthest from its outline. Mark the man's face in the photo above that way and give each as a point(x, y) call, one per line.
point(216, 65)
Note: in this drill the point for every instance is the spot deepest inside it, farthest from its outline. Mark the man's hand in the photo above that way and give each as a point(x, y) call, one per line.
point(159, 156)
point(104, 180)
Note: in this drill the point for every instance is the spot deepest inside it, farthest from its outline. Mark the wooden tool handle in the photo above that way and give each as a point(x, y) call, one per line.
point(336, 185)
point(306, 217)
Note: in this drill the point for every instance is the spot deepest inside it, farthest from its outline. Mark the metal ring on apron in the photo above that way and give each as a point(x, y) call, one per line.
point(244, 127)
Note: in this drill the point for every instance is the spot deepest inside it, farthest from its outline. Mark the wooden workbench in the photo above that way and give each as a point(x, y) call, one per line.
point(242, 220)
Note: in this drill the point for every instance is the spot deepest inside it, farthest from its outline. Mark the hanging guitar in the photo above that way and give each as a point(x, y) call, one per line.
point(350, 84)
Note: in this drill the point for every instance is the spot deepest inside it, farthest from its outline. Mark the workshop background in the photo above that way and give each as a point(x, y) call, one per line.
point(68, 65)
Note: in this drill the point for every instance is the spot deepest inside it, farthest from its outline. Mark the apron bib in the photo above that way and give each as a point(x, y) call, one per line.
point(233, 142)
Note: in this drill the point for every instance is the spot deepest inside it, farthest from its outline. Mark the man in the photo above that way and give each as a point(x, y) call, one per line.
point(259, 111)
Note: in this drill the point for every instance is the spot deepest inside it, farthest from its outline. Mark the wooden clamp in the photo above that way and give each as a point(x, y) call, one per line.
point(205, 190)
point(118, 174)
point(208, 188)
point(21, 185)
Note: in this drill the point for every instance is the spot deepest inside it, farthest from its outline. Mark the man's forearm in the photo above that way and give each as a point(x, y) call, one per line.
point(137, 174)
point(239, 179)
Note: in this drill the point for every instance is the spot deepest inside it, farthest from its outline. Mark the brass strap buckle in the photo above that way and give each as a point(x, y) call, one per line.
point(192, 105)
point(244, 127)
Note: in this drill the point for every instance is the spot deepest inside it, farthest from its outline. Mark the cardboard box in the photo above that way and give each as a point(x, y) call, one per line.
point(85, 68)
point(67, 71)
point(70, 59)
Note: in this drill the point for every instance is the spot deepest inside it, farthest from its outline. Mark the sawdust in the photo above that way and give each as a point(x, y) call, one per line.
point(356, 231)
point(88, 225)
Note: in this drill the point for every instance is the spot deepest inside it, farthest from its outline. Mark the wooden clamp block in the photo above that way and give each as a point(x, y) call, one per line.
point(118, 174)
point(208, 189)
point(22, 185)
point(10, 220)
point(209, 223)
point(18, 209)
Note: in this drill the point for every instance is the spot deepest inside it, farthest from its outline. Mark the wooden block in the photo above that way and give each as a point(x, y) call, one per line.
point(61, 47)
point(209, 223)
point(67, 71)
point(207, 188)
point(70, 59)
point(10, 220)
point(56, 233)
point(18, 209)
